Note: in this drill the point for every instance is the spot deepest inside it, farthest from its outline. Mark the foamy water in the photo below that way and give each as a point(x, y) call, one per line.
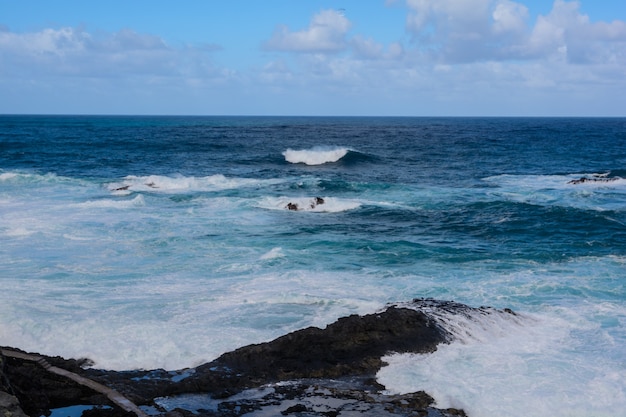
point(168, 253)
point(315, 156)
point(328, 204)
point(538, 366)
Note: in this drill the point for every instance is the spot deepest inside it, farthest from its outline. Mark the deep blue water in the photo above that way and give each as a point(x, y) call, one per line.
point(169, 238)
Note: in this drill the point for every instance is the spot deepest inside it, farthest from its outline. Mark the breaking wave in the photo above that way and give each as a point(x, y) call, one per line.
point(329, 205)
point(178, 184)
point(318, 155)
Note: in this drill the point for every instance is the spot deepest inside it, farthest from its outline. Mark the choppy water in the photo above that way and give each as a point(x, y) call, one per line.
point(145, 242)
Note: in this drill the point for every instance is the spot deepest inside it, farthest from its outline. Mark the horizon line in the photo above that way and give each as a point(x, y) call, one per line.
point(313, 116)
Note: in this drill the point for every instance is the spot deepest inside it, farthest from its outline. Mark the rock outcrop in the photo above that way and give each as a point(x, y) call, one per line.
point(310, 372)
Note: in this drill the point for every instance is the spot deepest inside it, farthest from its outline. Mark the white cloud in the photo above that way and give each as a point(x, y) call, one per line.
point(367, 48)
point(452, 16)
point(452, 31)
point(509, 17)
point(457, 57)
point(326, 33)
point(49, 41)
point(75, 52)
point(567, 33)
point(479, 55)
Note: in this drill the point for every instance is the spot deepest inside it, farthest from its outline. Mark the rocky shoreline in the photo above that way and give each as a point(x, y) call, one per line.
point(310, 372)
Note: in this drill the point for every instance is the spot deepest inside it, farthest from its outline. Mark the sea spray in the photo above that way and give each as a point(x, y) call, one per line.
point(494, 359)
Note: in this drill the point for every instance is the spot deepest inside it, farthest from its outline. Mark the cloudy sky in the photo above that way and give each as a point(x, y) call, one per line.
point(314, 57)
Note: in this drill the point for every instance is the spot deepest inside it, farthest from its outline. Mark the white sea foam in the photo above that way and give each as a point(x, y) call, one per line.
point(273, 254)
point(138, 201)
point(168, 321)
point(558, 190)
point(7, 176)
point(557, 182)
point(318, 155)
point(330, 204)
point(18, 232)
point(12, 176)
point(30, 179)
point(182, 184)
point(534, 366)
point(150, 288)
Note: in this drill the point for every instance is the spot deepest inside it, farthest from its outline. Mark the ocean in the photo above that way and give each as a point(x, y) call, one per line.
point(163, 242)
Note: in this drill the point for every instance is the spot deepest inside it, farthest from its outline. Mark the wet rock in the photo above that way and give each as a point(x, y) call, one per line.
point(595, 178)
point(351, 346)
point(310, 372)
point(39, 390)
point(298, 408)
point(327, 398)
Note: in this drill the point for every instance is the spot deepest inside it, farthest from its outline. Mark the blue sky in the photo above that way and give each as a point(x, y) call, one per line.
point(314, 57)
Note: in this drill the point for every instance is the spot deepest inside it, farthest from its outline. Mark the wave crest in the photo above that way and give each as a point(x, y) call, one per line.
point(180, 184)
point(330, 205)
point(318, 155)
point(115, 204)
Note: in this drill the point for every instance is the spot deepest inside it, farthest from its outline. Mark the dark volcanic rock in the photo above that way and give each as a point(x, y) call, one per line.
point(351, 346)
point(39, 390)
point(310, 372)
point(327, 398)
point(10, 406)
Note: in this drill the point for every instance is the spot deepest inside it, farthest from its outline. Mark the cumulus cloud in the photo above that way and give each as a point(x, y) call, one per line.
point(568, 34)
point(49, 41)
point(325, 33)
point(460, 53)
point(452, 55)
point(480, 30)
point(466, 16)
point(509, 17)
point(471, 30)
point(367, 48)
point(75, 52)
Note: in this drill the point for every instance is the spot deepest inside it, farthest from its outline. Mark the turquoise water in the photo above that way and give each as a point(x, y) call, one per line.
point(146, 242)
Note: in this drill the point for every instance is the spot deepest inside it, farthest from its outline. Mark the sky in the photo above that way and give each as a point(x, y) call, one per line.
point(314, 57)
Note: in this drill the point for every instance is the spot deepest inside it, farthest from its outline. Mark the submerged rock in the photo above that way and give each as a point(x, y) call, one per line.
point(308, 372)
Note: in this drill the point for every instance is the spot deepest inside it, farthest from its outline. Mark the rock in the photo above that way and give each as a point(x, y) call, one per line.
point(39, 390)
point(314, 203)
point(10, 406)
point(582, 180)
point(312, 372)
point(298, 408)
point(351, 346)
point(327, 398)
